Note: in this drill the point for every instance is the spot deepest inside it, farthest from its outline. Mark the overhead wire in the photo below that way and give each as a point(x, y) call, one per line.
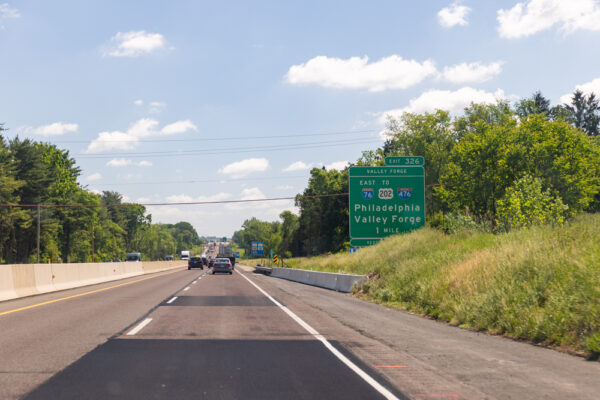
point(226, 150)
point(184, 203)
point(135, 140)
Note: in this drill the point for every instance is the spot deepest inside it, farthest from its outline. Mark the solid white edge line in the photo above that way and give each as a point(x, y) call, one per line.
point(172, 300)
point(140, 326)
point(366, 377)
point(187, 288)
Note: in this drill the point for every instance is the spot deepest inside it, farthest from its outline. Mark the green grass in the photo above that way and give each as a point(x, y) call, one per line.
point(540, 284)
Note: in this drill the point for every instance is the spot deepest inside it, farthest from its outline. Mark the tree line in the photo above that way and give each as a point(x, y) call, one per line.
point(101, 227)
point(496, 167)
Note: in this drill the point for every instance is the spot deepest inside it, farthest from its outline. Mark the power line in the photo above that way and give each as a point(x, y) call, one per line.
point(134, 140)
point(198, 181)
point(227, 150)
point(189, 203)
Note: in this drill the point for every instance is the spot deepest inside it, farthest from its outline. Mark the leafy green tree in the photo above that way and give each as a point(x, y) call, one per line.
point(290, 223)
point(323, 220)
point(430, 135)
point(525, 203)
point(487, 162)
point(537, 104)
point(11, 218)
point(254, 229)
point(585, 112)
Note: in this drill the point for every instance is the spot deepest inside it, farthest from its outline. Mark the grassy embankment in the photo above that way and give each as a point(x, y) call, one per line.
point(540, 284)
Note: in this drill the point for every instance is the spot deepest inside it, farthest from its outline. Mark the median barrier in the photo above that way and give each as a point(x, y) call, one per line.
point(24, 280)
point(20, 280)
point(7, 287)
point(327, 280)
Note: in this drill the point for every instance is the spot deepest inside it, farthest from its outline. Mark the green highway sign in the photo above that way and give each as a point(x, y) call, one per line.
point(405, 161)
point(384, 201)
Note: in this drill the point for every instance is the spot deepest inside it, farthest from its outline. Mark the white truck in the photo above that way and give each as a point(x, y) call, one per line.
point(185, 254)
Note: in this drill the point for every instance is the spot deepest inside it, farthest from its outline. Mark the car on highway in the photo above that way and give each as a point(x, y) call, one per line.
point(222, 265)
point(195, 262)
point(133, 257)
point(205, 261)
point(168, 258)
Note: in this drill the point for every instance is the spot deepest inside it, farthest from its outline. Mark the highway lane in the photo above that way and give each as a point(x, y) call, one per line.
point(431, 359)
point(220, 337)
point(37, 343)
point(216, 337)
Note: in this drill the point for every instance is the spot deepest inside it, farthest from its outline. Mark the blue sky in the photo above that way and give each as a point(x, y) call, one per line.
point(190, 101)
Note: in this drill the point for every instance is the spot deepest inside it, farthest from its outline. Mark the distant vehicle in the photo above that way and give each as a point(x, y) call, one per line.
point(226, 252)
point(132, 257)
point(205, 261)
point(185, 255)
point(168, 258)
point(222, 265)
point(195, 262)
point(117, 260)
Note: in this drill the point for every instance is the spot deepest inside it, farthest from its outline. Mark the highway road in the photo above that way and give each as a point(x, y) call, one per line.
point(188, 334)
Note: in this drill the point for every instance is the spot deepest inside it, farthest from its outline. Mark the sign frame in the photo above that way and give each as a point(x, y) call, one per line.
point(384, 200)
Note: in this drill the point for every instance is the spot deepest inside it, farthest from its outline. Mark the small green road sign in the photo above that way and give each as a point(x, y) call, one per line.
point(385, 201)
point(405, 161)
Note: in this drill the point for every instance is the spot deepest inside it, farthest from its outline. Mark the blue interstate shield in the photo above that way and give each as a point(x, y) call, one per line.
point(405, 193)
point(367, 194)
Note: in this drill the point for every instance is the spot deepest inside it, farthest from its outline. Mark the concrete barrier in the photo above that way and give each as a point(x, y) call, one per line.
point(22, 280)
point(327, 280)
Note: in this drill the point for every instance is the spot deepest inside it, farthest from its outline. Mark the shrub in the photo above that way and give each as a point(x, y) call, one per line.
point(526, 204)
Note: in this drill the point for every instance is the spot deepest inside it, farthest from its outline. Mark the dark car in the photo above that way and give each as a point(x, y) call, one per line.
point(195, 262)
point(168, 258)
point(205, 261)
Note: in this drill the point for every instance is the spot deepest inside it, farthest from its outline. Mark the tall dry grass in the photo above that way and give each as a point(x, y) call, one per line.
point(540, 284)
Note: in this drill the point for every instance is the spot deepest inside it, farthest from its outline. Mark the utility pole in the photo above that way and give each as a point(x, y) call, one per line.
point(38, 234)
point(93, 250)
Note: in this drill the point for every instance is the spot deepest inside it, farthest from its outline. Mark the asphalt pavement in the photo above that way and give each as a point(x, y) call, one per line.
point(199, 336)
point(189, 334)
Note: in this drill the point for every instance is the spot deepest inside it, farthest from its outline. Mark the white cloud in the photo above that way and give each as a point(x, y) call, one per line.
point(252, 194)
point(339, 165)
point(7, 12)
point(144, 163)
point(453, 101)
point(138, 102)
point(135, 43)
point(95, 191)
point(119, 162)
point(587, 88)
point(184, 198)
point(391, 72)
point(285, 187)
point(143, 128)
point(454, 14)
point(143, 200)
point(156, 107)
point(297, 166)
point(472, 73)
point(240, 169)
point(532, 16)
point(94, 177)
point(54, 129)
point(179, 127)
